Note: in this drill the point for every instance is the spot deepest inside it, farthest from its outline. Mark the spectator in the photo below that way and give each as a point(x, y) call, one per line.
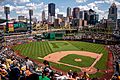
point(29, 63)
point(75, 76)
point(14, 73)
point(70, 73)
point(3, 63)
point(27, 72)
point(3, 72)
point(44, 76)
point(85, 76)
point(33, 77)
point(47, 66)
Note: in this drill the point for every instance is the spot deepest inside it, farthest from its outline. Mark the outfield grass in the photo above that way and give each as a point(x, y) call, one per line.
point(62, 46)
point(34, 49)
point(42, 49)
point(70, 59)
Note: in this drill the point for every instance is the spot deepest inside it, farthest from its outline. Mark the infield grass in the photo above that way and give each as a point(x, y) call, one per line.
point(70, 59)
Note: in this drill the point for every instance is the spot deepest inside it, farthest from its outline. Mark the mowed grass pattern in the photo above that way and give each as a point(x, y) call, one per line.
point(90, 47)
point(43, 48)
point(34, 49)
point(62, 46)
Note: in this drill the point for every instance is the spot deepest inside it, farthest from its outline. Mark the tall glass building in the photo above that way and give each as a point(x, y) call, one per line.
point(51, 9)
point(113, 12)
point(68, 12)
point(76, 11)
point(51, 13)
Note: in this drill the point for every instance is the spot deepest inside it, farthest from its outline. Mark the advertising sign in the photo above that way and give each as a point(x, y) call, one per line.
point(11, 27)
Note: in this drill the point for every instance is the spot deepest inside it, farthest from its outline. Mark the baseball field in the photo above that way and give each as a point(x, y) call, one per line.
point(68, 55)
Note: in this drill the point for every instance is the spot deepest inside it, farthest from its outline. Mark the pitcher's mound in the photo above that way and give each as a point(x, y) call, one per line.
point(78, 60)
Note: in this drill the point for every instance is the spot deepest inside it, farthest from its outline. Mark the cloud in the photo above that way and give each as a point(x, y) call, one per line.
point(108, 1)
point(23, 12)
point(57, 10)
point(45, 7)
point(1, 9)
point(20, 1)
point(24, 1)
point(85, 7)
point(35, 6)
point(0, 15)
point(118, 4)
point(31, 6)
point(99, 2)
point(2, 1)
point(19, 8)
point(92, 5)
point(80, 1)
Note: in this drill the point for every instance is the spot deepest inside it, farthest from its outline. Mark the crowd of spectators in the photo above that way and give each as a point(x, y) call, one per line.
point(14, 40)
point(87, 36)
point(115, 49)
point(97, 36)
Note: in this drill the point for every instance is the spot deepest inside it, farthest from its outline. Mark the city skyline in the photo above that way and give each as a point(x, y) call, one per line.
point(21, 7)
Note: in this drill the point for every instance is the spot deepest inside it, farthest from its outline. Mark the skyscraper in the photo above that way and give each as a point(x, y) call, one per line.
point(93, 17)
point(81, 15)
point(51, 13)
point(76, 11)
point(113, 12)
point(68, 12)
point(51, 9)
point(43, 15)
point(86, 15)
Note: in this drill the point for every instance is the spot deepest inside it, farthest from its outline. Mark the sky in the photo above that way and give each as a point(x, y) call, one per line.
point(21, 7)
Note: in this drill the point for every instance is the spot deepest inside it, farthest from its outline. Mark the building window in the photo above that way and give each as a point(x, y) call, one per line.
point(113, 11)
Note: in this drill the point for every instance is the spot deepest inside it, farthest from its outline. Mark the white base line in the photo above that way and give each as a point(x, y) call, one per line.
point(40, 58)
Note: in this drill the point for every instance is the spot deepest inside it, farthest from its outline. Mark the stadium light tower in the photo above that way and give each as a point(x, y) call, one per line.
point(30, 15)
point(6, 11)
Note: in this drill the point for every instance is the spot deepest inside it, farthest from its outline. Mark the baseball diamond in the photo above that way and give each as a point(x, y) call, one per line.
point(64, 53)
